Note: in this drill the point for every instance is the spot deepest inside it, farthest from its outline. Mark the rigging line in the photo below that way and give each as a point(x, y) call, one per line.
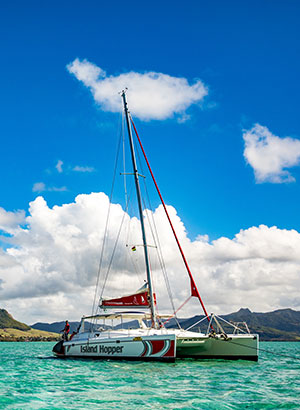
point(136, 268)
point(127, 199)
point(156, 240)
point(159, 249)
point(106, 224)
point(128, 241)
point(180, 307)
point(231, 324)
point(112, 256)
point(155, 237)
point(197, 323)
point(133, 262)
point(140, 165)
point(194, 287)
point(264, 350)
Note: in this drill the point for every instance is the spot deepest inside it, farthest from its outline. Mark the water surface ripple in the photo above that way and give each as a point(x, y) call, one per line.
point(30, 378)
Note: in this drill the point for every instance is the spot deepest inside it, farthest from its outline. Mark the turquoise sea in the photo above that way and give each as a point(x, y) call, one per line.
point(31, 378)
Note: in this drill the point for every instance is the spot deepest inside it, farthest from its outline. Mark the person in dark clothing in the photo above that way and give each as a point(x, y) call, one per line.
point(66, 331)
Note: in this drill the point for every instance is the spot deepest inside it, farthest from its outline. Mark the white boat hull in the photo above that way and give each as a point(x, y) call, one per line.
point(155, 347)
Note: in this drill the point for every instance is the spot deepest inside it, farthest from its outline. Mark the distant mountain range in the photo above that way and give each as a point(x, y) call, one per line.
point(56, 327)
point(280, 325)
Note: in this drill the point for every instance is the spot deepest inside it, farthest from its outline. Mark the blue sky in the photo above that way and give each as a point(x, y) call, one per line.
point(245, 53)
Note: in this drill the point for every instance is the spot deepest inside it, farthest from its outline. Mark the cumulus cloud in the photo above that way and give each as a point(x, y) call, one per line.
point(51, 265)
point(9, 221)
point(151, 95)
point(269, 155)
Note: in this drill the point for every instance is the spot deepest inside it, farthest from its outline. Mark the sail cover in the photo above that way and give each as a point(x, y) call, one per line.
point(139, 299)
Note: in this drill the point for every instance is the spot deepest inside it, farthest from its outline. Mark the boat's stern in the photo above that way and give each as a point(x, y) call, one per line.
point(231, 347)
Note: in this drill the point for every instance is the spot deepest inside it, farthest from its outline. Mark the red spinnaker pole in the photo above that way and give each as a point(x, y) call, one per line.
point(195, 291)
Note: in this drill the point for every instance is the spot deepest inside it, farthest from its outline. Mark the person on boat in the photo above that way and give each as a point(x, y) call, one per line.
point(66, 331)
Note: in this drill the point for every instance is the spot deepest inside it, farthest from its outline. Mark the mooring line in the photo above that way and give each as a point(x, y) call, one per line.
point(265, 351)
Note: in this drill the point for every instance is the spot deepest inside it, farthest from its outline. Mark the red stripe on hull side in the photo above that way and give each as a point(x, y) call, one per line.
point(157, 346)
point(171, 351)
point(145, 349)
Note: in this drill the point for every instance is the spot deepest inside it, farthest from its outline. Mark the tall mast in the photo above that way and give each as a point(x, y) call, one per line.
point(138, 193)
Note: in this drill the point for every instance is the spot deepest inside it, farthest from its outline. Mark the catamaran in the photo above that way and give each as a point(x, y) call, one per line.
point(141, 332)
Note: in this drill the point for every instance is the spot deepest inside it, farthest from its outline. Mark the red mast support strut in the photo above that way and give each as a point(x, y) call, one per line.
point(194, 289)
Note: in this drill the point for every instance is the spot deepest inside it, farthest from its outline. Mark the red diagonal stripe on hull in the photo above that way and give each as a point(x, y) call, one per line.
point(171, 351)
point(157, 346)
point(145, 349)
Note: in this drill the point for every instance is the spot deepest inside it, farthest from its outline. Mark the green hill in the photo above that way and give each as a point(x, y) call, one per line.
point(7, 321)
point(11, 330)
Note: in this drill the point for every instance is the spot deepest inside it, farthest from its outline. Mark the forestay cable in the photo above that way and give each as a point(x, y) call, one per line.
point(107, 220)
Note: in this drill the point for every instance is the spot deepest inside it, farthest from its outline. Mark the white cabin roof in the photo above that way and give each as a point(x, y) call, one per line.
point(124, 315)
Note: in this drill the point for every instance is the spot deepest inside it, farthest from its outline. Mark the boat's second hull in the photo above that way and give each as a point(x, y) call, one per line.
point(233, 347)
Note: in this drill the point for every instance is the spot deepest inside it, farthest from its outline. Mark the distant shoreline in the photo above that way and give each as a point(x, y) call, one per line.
point(30, 340)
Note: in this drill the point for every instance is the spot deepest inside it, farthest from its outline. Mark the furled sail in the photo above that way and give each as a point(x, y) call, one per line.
point(139, 299)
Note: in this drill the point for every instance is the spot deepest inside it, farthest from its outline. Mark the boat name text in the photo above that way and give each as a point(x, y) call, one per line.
point(102, 349)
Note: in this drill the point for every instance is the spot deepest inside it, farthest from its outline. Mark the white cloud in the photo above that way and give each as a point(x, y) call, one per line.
point(59, 165)
point(269, 155)
point(79, 168)
point(151, 95)
point(50, 272)
point(57, 189)
point(9, 221)
point(41, 187)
